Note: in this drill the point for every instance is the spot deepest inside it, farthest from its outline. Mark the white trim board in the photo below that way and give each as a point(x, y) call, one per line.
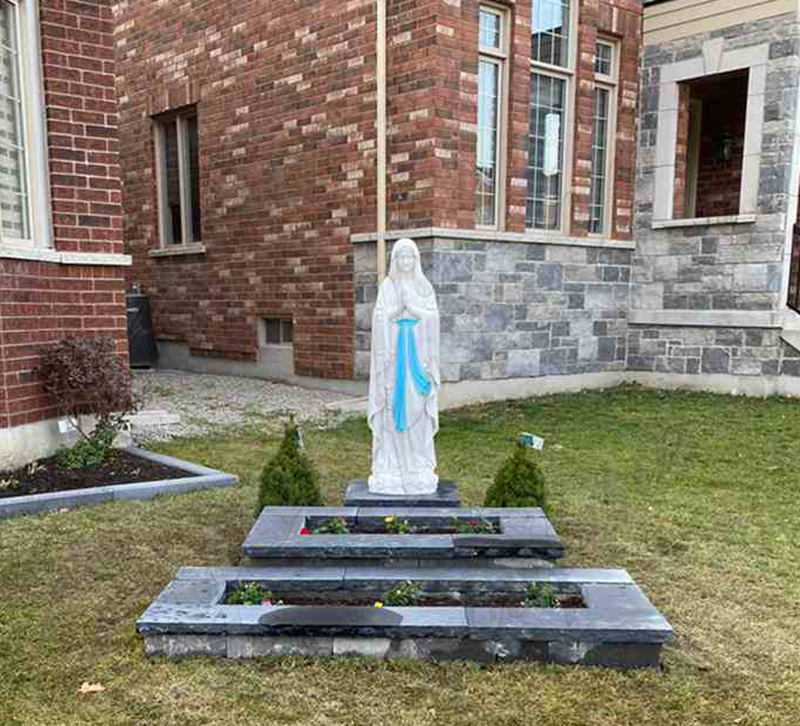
point(494, 236)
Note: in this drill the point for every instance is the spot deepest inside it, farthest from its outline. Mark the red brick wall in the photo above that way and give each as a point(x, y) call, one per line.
point(681, 152)
point(446, 57)
point(285, 96)
point(40, 302)
point(285, 100)
point(620, 20)
point(80, 98)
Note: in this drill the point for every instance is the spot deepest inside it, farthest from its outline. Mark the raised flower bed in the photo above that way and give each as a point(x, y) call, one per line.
point(372, 533)
point(614, 623)
point(159, 474)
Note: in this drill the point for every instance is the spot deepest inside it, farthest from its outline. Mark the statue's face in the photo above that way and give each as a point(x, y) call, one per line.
point(405, 261)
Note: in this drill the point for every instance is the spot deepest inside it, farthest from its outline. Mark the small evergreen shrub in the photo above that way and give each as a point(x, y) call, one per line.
point(289, 478)
point(518, 483)
point(85, 376)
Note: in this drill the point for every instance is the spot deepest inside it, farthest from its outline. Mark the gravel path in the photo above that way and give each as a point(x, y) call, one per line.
point(207, 403)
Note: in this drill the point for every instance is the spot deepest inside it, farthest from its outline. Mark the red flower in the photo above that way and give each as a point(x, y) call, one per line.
point(305, 530)
point(473, 522)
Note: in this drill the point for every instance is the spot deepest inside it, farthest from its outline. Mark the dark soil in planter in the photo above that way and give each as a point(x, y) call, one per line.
point(363, 528)
point(441, 529)
point(46, 476)
point(489, 600)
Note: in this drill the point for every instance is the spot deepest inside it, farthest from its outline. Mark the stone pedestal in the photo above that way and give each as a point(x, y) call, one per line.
point(358, 495)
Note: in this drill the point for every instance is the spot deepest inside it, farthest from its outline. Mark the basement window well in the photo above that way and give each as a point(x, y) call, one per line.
point(275, 331)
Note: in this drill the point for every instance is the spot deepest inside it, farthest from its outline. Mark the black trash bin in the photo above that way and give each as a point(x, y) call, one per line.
point(141, 344)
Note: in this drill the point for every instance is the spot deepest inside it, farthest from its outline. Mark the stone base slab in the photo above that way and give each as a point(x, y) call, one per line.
point(359, 495)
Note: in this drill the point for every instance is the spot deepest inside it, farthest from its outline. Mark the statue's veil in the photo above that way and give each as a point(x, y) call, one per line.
point(419, 288)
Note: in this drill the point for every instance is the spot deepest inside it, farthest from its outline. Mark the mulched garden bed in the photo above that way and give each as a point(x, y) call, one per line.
point(45, 475)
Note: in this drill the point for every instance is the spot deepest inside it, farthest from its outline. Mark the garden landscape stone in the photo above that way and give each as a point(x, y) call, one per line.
point(619, 627)
point(279, 533)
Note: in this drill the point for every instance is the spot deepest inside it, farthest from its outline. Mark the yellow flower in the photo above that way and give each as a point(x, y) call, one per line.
point(378, 604)
point(388, 519)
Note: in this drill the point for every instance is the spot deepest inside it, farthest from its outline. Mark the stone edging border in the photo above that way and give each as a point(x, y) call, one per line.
point(524, 532)
point(199, 477)
point(619, 627)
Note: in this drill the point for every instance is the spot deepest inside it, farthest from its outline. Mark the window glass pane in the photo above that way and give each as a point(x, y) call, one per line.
point(194, 177)
point(173, 184)
point(550, 32)
point(272, 327)
point(602, 59)
point(599, 157)
point(489, 29)
point(14, 200)
point(286, 331)
point(545, 152)
point(486, 167)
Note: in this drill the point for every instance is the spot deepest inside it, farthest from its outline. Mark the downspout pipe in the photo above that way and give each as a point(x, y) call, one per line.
point(380, 130)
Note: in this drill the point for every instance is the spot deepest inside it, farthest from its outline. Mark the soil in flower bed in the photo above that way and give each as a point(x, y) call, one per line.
point(486, 600)
point(364, 528)
point(46, 476)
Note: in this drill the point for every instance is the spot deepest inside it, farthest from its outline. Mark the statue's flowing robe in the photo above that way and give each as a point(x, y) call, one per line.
point(404, 461)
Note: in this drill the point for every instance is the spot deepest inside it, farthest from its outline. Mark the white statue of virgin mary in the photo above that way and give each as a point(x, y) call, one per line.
point(404, 379)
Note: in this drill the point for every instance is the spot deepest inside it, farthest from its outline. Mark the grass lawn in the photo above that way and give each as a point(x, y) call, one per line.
point(696, 495)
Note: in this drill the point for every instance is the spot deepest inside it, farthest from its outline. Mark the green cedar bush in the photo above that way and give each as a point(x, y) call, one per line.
point(519, 482)
point(289, 478)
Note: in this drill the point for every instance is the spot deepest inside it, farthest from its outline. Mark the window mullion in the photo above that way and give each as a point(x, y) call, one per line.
point(183, 180)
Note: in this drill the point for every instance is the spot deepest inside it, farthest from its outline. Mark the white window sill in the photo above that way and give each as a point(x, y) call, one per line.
point(48, 254)
point(703, 221)
point(179, 250)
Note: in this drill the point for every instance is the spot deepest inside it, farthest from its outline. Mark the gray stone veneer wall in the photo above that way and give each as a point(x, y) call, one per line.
point(512, 309)
point(734, 267)
point(736, 351)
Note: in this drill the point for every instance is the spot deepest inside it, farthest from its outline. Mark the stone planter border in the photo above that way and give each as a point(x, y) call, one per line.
point(618, 628)
point(524, 532)
point(198, 477)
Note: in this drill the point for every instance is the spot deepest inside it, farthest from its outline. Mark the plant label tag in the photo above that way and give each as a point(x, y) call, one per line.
point(535, 442)
point(65, 426)
point(300, 443)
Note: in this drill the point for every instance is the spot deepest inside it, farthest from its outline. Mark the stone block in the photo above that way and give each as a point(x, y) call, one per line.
point(523, 363)
point(372, 647)
point(550, 276)
point(254, 646)
point(716, 360)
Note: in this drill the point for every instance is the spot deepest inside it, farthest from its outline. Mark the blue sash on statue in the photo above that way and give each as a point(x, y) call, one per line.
point(406, 359)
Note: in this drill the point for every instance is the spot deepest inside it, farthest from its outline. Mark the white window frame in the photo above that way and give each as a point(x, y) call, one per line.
point(187, 232)
point(567, 74)
point(499, 58)
point(34, 139)
point(608, 83)
point(715, 60)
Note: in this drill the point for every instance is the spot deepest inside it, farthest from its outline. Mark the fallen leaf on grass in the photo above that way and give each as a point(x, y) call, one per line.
point(87, 687)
